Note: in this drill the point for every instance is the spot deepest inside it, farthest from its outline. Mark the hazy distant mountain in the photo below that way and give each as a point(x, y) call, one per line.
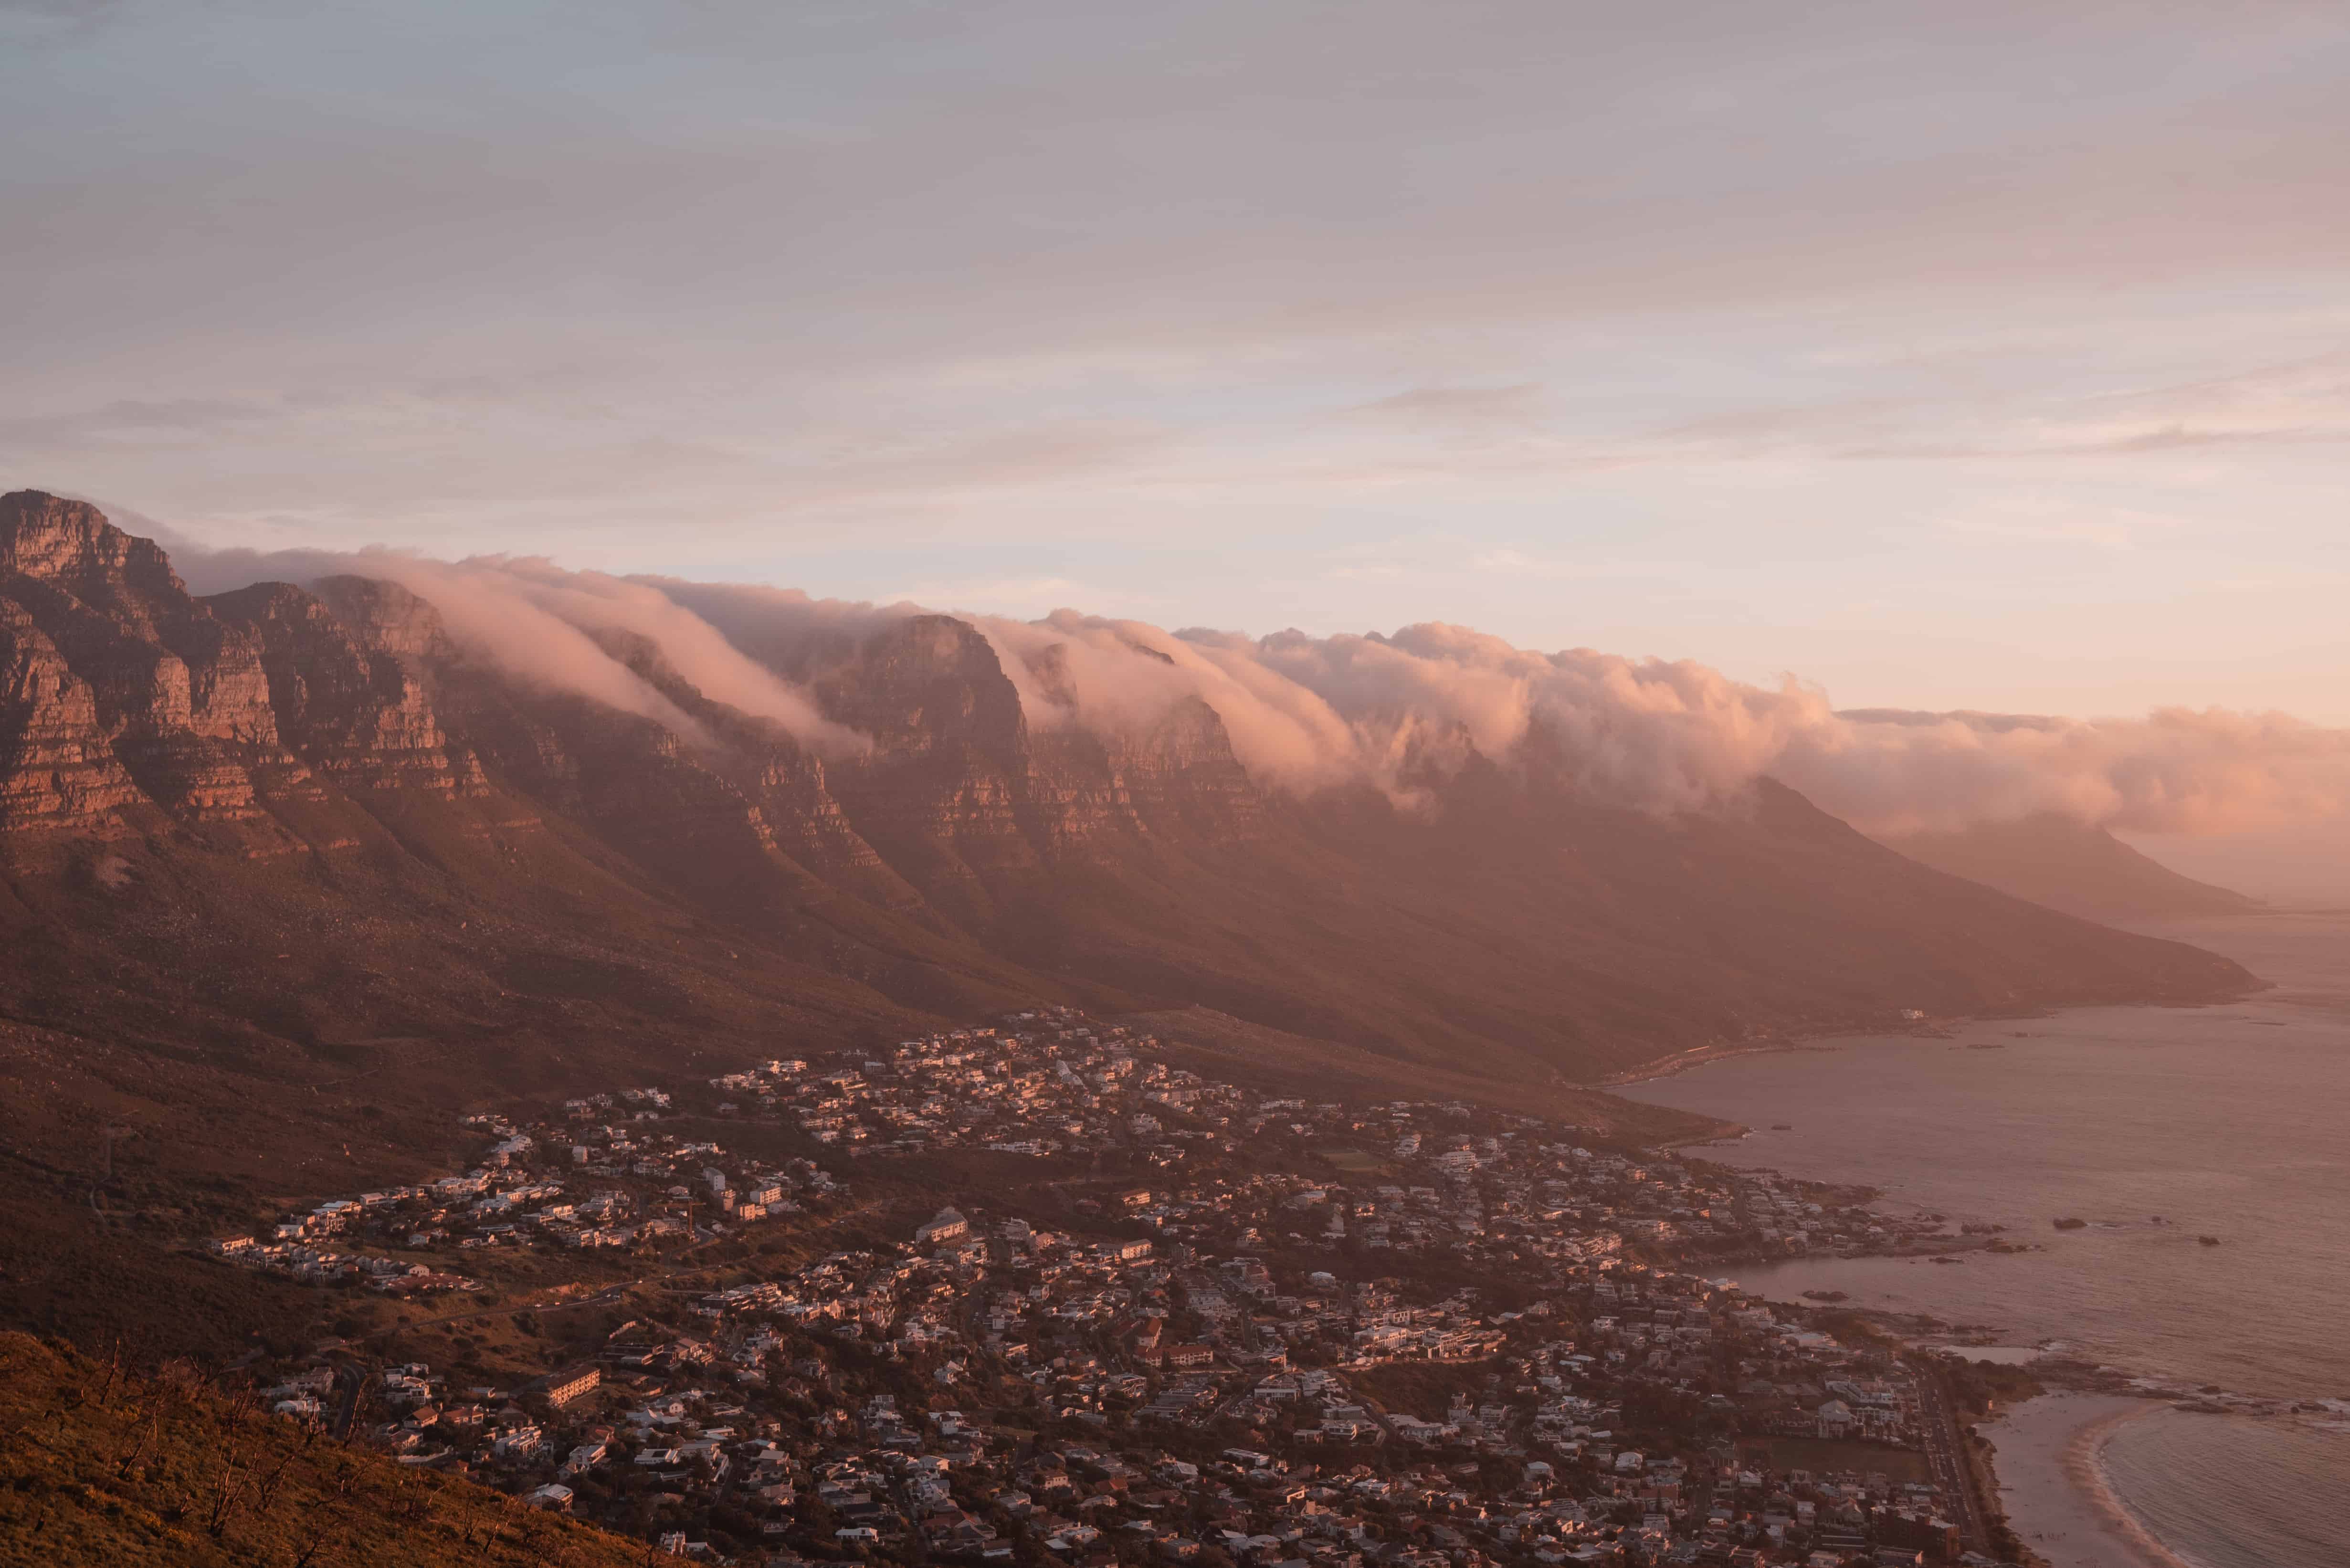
point(2072, 865)
point(296, 835)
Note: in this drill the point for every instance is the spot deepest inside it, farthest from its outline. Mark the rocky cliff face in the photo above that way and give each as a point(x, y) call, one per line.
point(971, 854)
point(959, 773)
point(784, 786)
point(351, 711)
point(179, 695)
point(1180, 781)
point(387, 619)
point(57, 767)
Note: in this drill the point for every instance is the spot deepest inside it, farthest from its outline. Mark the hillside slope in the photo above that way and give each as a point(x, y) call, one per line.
point(2070, 866)
point(99, 1469)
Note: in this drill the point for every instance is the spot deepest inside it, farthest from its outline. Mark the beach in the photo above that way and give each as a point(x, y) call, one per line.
point(2053, 1490)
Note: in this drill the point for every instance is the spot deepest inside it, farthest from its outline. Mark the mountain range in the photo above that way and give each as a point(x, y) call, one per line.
point(299, 836)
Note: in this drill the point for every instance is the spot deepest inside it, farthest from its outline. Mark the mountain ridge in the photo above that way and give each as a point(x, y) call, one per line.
point(2070, 866)
point(177, 773)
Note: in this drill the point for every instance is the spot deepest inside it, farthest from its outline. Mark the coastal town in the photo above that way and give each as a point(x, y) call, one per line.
point(1034, 1293)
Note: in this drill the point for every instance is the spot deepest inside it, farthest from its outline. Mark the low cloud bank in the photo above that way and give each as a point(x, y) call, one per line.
point(1395, 711)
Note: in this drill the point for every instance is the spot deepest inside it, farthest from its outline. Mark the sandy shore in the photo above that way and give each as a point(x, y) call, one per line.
point(1698, 1056)
point(2055, 1493)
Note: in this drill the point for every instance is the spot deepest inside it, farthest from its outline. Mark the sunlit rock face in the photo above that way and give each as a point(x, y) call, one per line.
point(179, 694)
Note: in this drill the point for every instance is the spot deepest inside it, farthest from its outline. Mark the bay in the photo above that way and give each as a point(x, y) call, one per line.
point(2156, 1127)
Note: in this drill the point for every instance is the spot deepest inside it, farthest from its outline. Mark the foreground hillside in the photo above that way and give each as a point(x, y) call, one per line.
point(98, 1468)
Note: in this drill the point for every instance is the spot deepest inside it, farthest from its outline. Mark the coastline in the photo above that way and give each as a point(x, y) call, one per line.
point(2051, 1465)
point(1936, 1028)
point(1696, 1057)
point(1657, 1068)
point(2084, 1467)
point(2054, 1489)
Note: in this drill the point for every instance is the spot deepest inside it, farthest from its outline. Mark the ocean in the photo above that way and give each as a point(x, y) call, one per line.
point(2156, 1126)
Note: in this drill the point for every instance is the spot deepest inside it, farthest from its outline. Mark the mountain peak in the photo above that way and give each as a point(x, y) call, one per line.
point(50, 538)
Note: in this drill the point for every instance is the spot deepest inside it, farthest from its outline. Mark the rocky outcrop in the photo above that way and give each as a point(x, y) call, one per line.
point(351, 711)
point(785, 783)
point(1182, 777)
point(945, 792)
point(1177, 780)
point(56, 769)
point(388, 619)
point(180, 696)
point(961, 777)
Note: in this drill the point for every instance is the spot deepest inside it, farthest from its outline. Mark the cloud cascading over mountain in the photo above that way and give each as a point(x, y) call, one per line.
point(502, 796)
point(1396, 711)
